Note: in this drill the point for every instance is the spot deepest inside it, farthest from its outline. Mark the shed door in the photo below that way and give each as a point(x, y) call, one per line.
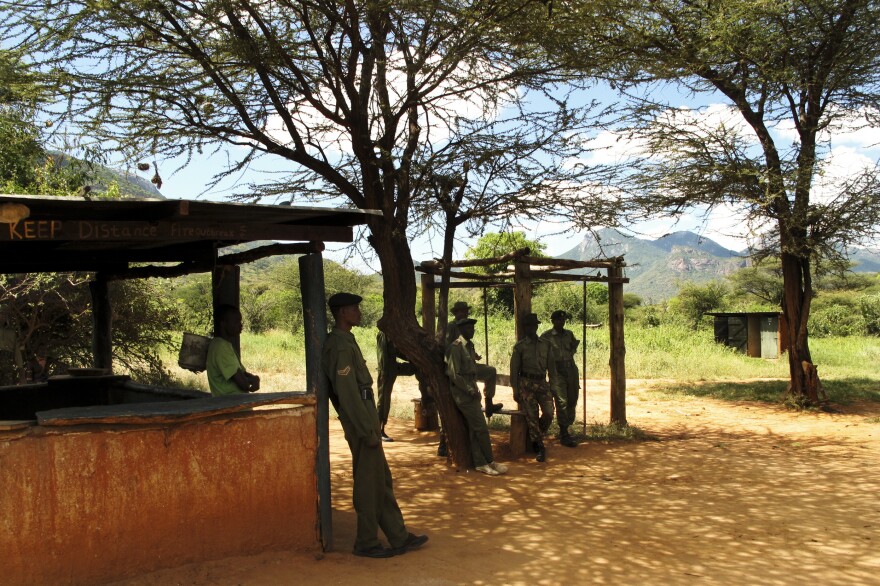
point(769, 337)
point(737, 333)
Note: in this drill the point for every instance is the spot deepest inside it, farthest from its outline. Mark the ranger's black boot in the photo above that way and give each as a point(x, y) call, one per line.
point(540, 451)
point(566, 440)
point(492, 408)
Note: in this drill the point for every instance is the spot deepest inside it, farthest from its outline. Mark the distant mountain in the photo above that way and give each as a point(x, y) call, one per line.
point(867, 261)
point(657, 268)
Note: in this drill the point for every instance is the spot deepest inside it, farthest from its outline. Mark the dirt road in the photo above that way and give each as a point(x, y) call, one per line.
point(729, 493)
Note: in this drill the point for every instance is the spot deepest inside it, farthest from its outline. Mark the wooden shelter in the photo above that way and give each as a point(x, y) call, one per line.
point(105, 478)
point(524, 271)
point(758, 334)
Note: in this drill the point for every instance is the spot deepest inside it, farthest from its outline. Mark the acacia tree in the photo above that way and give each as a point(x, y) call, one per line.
point(351, 98)
point(791, 73)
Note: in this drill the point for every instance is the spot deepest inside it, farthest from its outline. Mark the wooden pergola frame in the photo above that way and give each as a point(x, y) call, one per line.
point(520, 275)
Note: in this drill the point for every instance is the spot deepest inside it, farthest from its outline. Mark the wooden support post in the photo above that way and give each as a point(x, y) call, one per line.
point(102, 324)
point(522, 292)
point(429, 314)
point(617, 360)
point(519, 435)
point(311, 276)
point(226, 290)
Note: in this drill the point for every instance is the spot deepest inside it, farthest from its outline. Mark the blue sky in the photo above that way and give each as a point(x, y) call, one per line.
point(851, 149)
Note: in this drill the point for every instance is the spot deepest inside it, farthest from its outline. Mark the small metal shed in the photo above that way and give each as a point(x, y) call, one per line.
point(759, 334)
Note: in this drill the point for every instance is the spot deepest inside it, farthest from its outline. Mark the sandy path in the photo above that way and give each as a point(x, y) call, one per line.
point(730, 493)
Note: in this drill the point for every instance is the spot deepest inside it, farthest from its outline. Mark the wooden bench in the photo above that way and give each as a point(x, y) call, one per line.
point(519, 432)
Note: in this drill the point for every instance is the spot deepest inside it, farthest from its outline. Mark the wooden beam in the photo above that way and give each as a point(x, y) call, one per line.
point(226, 290)
point(36, 230)
point(522, 293)
point(477, 262)
point(102, 324)
point(617, 360)
point(270, 250)
point(576, 264)
point(429, 313)
point(311, 271)
point(186, 268)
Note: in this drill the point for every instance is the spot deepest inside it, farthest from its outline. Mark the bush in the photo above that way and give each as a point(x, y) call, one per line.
point(870, 310)
point(569, 298)
point(836, 320)
point(694, 301)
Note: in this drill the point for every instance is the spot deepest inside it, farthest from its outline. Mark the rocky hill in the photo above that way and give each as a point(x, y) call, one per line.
point(657, 268)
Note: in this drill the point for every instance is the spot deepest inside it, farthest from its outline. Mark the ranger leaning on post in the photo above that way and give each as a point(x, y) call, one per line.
point(564, 346)
point(352, 394)
point(462, 372)
point(486, 374)
point(530, 363)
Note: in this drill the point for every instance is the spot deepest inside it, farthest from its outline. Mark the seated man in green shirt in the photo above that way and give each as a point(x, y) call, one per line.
point(226, 375)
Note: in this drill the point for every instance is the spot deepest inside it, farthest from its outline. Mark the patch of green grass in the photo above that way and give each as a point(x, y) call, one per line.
point(841, 392)
point(872, 420)
point(611, 431)
point(760, 391)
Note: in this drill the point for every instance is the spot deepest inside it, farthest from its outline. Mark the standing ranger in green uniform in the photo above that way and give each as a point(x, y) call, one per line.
point(352, 394)
point(532, 360)
point(462, 373)
point(564, 346)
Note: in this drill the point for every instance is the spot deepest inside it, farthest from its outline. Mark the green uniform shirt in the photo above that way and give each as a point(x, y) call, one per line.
point(564, 343)
point(222, 364)
point(461, 369)
point(345, 367)
point(452, 333)
point(533, 357)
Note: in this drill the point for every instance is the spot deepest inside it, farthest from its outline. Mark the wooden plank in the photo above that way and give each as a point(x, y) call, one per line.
point(176, 411)
point(13, 424)
point(55, 230)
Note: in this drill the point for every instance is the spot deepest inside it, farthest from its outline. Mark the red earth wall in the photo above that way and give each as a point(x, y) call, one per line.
point(95, 503)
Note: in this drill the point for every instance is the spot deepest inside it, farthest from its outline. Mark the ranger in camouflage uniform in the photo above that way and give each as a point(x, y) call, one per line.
point(532, 360)
point(564, 346)
point(352, 395)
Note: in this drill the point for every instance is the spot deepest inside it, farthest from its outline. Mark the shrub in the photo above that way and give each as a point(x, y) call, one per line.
point(870, 309)
point(836, 320)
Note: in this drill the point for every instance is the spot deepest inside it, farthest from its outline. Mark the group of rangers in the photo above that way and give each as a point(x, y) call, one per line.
point(543, 376)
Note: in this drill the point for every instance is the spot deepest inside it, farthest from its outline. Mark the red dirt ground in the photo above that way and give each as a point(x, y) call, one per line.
point(730, 493)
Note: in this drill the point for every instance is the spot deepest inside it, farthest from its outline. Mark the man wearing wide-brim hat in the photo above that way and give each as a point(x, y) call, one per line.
point(351, 387)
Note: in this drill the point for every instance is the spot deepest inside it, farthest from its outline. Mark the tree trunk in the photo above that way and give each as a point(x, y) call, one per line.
point(804, 384)
point(420, 347)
